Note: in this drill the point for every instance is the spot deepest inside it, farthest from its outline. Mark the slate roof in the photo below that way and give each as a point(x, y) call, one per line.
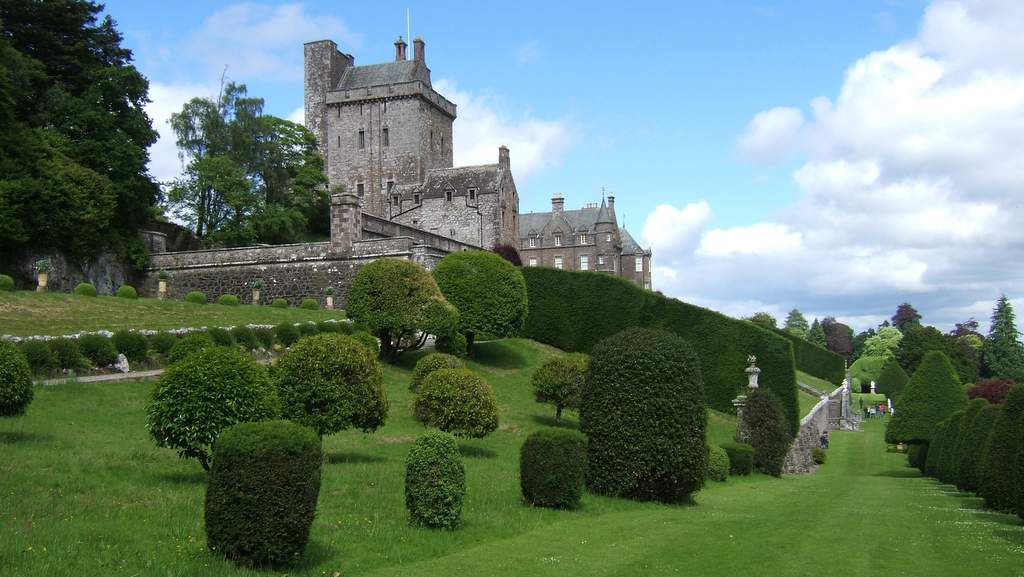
point(486, 178)
point(629, 245)
point(383, 74)
point(579, 219)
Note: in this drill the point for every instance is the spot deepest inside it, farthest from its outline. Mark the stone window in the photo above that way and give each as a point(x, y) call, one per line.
point(558, 240)
point(362, 139)
point(583, 238)
point(533, 261)
point(558, 262)
point(600, 260)
point(339, 141)
point(416, 198)
point(431, 140)
point(647, 284)
point(533, 242)
point(472, 194)
point(360, 189)
point(391, 185)
point(639, 264)
point(385, 138)
point(394, 200)
point(448, 195)
point(584, 262)
point(608, 237)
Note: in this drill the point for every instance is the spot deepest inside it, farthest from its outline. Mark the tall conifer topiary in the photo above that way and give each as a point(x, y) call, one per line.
point(892, 380)
point(972, 447)
point(951, 448)
point(998, 481)
point(933, 394)
point(935, 447)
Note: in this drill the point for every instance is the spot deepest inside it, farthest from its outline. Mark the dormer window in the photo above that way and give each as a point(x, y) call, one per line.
point(416, 198)
point(472, 194)
point(533, 242)
point(448, 195)
point(558, 240)
point(394, 200)
point(583, 238)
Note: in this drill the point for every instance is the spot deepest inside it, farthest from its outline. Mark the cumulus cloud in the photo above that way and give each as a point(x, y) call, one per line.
point(167, 99)
point(483, 125)
point(911, 184)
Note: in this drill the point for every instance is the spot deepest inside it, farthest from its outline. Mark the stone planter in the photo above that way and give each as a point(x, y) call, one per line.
point(161, 291)
point(255, 296)
point(330, 303)
point(42, 278)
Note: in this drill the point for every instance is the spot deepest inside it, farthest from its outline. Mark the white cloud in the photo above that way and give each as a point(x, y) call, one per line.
point(760, 239)
point(164, 163)
point(771, 135)
point(298, 115)
point(482, 126)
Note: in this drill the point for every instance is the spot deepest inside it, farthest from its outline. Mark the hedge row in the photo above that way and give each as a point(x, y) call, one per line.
point(575, 310)
point(816, 361)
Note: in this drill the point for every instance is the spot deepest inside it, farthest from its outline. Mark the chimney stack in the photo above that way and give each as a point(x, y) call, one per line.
point(557, 203)
point(400, 50)
point(503, 160)
point(611, 203)
point(418, 47)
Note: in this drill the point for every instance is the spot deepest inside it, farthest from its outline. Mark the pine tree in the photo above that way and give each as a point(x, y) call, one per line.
point(816, 335)
point(933, 394)
point(1003, 353)
point(796, 324)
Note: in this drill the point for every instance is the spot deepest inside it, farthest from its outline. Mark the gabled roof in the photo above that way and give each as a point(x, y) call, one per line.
point(579, 219)
point(603, 214)
point(486, 178)
point(383, 74)
point(629, 245)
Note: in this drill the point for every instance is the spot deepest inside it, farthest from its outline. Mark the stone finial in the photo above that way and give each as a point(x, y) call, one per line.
point(752, 372)
point(346, 221)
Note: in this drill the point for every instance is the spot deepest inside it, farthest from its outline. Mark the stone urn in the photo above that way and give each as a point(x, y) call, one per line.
point(255, 296)
point(161, 290)
point(41, 279)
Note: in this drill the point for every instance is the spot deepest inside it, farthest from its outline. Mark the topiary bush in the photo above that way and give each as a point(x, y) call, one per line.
point(6, 283)
point(279, 303)
point(328, 327)
point(642, 410)
point(308, 329)
point(127, 292)
point(946, 467)
point(100, 350)
point(559, 381)
point(933, 394)
point(262, 492)
point(204, 393)
point(221, 337)
point(769, 435)
point(457, 401)
point(998, 481)
point(718, 463)
point(163, 342)
point(435, 481)
point(330, 383)
point(244, 336)
point(189, 344)
point(197, 297)
point(15, 381)
point(452, 343)
point(553, 468)
point(265, 336)
point(741, 458)
point(131, 344)
point(917, 454)
point(963, 461)
point(935, 447)
point(310, 304)
point(818, 455)
point(228, 300)
point(41, 359)
point(85, 289)
point(287, 334)
point(892, 380)
point(67, 353)
point(367, 340)
point(429, 363)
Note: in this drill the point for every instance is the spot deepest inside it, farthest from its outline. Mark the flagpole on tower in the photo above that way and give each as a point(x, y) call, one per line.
point(408, 26)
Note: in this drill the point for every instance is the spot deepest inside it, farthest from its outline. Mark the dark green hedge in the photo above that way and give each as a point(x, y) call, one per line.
point(553, 468)
point(973, 447)
point(816, 361)
point(15, 381)
point(575, 310)
point(917, 454)
point(998, 478)
point(963, 449)
point(741, 458)
point(766, 422)
point(435, 481)
point(933, 394)
point(262, 493)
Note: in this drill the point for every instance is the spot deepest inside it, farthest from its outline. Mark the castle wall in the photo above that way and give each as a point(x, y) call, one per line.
point(324, 64)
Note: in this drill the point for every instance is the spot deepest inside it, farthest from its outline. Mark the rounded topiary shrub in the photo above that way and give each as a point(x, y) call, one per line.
point(330, 383)
point(452, 344)
point(228, 300)
point(718, 463)
point(100, 350)
point(369, 341)
point(917, 454)
point(559, 381)
point(308, 329)
point(197, 297)
point(279, 303)
point(435, 481)
point(244, 336)
point(15, 381)
point(933, 394)
point(41, 359)
point(310, 304)
point(189, 344)
point(127, 292)
point(6, 283)
point(265, 336)
point(131, 344)
point(287, 334)
point(204, 393)
point(969, 471)
point(328, 326)
point(769, 431)
point(430, 363)
point(221, 337)
point(85, 289)
point(457, 401)
point(163, 342)
point(741, 458)
point(553, 468)
point(642, 410)
point(262, 492)
point(67, 353)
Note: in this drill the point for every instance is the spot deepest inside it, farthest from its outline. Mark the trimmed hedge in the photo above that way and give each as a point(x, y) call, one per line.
point(864, 370)
point(131, 344)
point(435, 481)
point(429, 363)
point(574, 310)
point(328, 327)
point(163, 342)
point(244, 336)
point(310, 304)
point(933, 394)
point(331, 383)
point(487, 290)
point(221, 337)
point(457, 401)
point(99, 349)
point(553, 468)
point(262, 492)
point(15, 381)
point(560, 380)
point(228, 300)
point(718, 463)
point(769, 435)
point(367, 340)
point(41, 359)
point(642, 410)
point(308, 329)
point(916, 455)
point(946, 465)
point(972, 447)
point(197, 297)
point(6, 283)
point(452, 344)
point(816, 361)
point(265, 336)
point(741, 458)
point(127, 292)
point(67, 353)
point(204, 393)
point(287, 334)
point(189, 344)
point(958, 470)
point(85, 289)
point(892, 380)
point(936, 445)
point(279, 303)
point(998, 482)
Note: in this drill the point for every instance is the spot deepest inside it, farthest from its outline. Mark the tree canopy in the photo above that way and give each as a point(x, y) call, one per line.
point(763, 319)
point(906, 316)
point(1003, 353)
point(883, 343)
point(796, 324)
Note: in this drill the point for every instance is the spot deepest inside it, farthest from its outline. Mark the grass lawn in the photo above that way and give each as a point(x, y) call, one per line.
point(807, 402)
point(820, 384)
point(22, 313)
point(85, 492)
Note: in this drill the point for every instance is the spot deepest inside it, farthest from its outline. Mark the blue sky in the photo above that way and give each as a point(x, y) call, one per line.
point(701, 117)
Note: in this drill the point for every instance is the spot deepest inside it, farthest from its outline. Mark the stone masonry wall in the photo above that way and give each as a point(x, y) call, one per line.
point(823, 417)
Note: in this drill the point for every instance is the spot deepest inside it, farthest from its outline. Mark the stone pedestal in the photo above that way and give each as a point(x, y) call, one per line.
point(346, 222)
point(330, 303)
point(41, 280)
point(161, 290)
point(742, 429)
point(255, 296)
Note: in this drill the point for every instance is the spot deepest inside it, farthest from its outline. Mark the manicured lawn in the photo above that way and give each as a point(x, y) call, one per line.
point(27, 313)
point(807, 402)
point(820, 384)
point(85, 492)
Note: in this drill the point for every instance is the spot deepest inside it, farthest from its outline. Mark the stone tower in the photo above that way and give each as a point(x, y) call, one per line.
point(379, 126)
